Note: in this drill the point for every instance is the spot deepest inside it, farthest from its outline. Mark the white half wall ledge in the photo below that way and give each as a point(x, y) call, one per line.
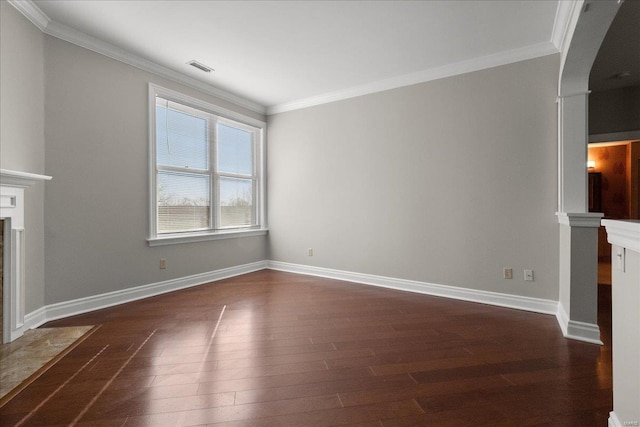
point(625, 233)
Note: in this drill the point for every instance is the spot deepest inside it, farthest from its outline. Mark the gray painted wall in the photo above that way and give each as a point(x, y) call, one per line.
point(443, 182)
point(97, 204)
point(22, 131)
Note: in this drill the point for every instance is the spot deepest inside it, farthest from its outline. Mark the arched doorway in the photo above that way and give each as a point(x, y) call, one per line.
point(578, 230)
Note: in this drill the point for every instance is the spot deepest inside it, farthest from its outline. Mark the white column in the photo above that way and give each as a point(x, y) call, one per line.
point(624, 237)
point(578, 298)
point(572, 152)
point(578, 279)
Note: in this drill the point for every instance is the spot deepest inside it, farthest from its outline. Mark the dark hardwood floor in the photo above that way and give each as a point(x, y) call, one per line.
point(279, 349)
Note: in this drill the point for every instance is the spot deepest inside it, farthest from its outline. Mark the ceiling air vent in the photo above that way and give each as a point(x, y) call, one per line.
point(200, 66)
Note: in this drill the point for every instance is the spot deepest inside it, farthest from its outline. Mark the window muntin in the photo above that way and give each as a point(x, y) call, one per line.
point(206, 169)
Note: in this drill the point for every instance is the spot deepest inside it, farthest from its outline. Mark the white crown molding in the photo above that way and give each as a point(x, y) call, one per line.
point(476, 64)
point(536, 305)
point(566, 13)
point(32, 12)
point(68, 34)
point(580, 331)
point(63, 32)
point(623, 233)
point(97, 302)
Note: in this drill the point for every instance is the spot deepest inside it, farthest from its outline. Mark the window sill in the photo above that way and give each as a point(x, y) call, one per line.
point(203, 237)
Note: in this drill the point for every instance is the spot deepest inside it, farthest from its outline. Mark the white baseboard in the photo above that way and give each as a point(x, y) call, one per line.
point(581, 331)
point(571, 329)
point(97, 302)
point(493, 298)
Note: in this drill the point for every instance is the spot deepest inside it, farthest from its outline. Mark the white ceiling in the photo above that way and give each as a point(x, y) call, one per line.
point(279, 54)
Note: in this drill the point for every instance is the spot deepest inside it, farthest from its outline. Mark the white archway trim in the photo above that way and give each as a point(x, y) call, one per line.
point(578, 231)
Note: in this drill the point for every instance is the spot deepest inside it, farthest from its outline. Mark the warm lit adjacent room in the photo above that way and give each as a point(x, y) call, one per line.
point(320, 213)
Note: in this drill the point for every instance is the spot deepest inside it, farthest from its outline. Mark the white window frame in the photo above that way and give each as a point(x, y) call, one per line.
point(223, 115)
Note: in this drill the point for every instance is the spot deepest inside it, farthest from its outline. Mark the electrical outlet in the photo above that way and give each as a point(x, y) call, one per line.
point(507, 273)
point(163, 263)
point(528, 275)
point(310, 251)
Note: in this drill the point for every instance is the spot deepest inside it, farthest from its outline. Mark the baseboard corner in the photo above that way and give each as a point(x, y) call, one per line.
point(575, 330)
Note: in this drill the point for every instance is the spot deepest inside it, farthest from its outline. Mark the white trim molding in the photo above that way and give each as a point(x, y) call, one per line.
point(560, 29)
point(623, 233)
point(12, 207)
point(84, 305)
point(571, 329)
point(450, 70)
point(575, 330)
point(566, 17)
point(20, 179)
point(234, 234)
point(213, 114)
point(536, 305)
point(584, 219)
point(34, 14)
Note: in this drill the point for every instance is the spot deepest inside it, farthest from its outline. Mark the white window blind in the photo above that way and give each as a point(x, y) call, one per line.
point(206, 175)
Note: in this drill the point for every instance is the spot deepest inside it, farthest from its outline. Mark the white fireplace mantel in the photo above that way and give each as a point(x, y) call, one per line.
point(12, 186)
point(13, 178)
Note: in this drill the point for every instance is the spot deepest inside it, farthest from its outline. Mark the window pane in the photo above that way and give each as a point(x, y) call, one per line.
point(236, 202)
point(235, 150)
point(181, 138)
point(183, 202)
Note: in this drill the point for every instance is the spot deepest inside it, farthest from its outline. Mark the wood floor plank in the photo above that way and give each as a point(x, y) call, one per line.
point(314, 377)
point(384, 394)
point(337, 386)
point(363, 415)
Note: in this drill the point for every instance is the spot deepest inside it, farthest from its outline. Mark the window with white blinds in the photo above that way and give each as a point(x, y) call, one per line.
point(206, 168)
